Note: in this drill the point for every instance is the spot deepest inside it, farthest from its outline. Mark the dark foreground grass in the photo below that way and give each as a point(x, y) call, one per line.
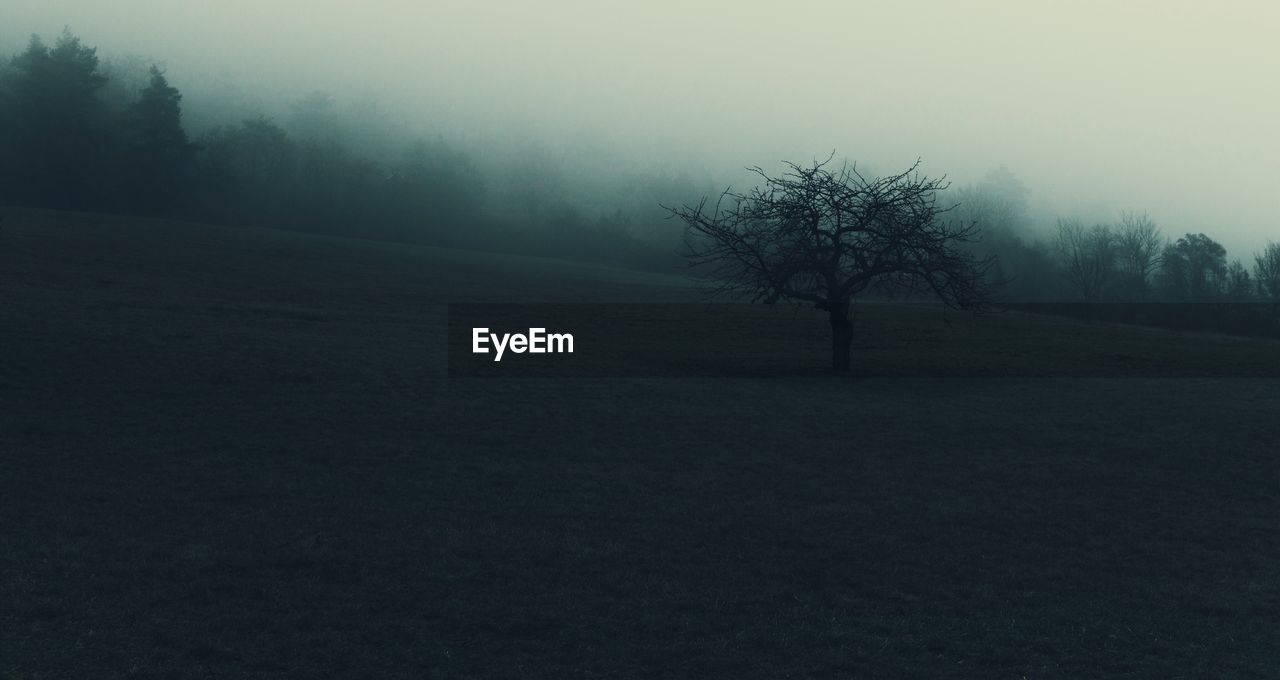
point(233, 454)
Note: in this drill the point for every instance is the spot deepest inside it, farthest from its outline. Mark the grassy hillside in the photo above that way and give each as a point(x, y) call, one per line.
point(231, 452)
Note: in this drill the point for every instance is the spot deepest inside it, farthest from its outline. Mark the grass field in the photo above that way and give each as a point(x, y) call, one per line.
point(235, 453)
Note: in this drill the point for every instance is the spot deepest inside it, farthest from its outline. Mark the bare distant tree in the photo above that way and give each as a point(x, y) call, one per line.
point(1139, 242)
point(1237, 285)
point(1266, 271)
point(824, 235)
point(1088, 257)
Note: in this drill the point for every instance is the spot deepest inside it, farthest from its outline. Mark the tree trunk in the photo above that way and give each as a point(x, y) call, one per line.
point(841, 336)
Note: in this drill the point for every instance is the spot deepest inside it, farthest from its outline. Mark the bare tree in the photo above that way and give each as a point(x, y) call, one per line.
point(1237, 286)
point(1139, 242)
point(1088, 256)
point(825, 235)
point(1266, 271)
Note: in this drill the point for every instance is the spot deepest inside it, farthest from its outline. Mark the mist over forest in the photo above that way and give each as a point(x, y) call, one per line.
point(1075, 156)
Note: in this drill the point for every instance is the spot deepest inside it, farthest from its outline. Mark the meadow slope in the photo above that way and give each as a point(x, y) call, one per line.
point(229, 452)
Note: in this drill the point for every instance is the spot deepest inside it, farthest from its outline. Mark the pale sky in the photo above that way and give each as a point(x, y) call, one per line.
point(1163, 106)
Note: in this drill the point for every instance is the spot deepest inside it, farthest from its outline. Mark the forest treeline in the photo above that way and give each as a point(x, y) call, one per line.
point(79, 134)
point(1127, 260)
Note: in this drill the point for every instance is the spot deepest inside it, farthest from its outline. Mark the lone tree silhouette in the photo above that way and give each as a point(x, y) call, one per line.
point(824, 235)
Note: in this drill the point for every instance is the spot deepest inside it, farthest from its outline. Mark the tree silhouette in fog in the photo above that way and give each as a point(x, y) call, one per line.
point(1266, 272)
point(1138, 242)
point(1088, 256)
point(1194, 269)
point(58, 128)
point(824, 236)
point(158, 155)
point(1237, 285)
point(247, 172)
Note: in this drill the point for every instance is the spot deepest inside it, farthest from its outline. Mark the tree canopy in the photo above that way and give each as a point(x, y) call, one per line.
point(824, 235)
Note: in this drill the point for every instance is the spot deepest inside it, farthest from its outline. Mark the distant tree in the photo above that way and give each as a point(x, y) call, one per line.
point(1237, 286)
point(824, 236)
point(157, 151)
point(258, 150)
point(1266, 272)
point(1036, 275)
point(9, 140)
point(641, 196)
point(248, 172)
point(338, 192)
point(1002, 218)
point(1138, 243)
point(57, 123)
point(127, 75)
point(1022, 269)
point(1088, 257)
point(1193, 269)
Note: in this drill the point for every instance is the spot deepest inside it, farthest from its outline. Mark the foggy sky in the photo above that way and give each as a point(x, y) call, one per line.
point(1167, 107)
